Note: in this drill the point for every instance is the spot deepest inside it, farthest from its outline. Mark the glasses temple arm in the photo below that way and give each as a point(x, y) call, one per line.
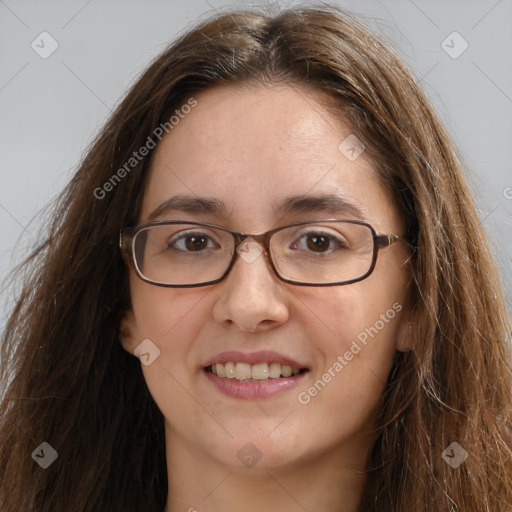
point(386, 240)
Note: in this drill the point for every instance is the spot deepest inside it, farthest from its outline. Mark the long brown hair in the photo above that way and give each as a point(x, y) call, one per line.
point(69, 382)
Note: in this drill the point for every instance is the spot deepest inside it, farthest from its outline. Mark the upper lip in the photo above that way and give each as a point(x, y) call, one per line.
point(263, 356)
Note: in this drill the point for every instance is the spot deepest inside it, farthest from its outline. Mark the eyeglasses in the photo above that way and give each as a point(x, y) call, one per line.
point(314, 253)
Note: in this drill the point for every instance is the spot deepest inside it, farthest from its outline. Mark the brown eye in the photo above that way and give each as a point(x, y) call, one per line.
point(196, 242)
point(318, 242)
point(191, 242)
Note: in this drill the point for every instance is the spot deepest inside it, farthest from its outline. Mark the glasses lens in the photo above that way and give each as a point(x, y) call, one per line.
point(182, 254)
point(321, 253)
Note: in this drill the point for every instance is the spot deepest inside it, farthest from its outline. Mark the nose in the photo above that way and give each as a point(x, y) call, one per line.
point(252, 297)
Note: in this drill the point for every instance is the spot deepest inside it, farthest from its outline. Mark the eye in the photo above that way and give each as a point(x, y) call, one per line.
point(319, 242)
point(191, 242)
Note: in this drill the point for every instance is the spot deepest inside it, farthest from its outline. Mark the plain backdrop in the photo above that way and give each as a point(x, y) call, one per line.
point(52, 107)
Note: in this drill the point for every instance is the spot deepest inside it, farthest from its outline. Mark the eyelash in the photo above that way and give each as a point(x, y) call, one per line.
point(171, 244)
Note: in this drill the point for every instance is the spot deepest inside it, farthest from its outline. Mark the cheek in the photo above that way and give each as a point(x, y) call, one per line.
point(340, 315)
point(163, 312)
point(172, 320)
point(354, 329)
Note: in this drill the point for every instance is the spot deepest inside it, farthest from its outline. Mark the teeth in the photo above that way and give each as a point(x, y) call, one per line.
point(229, 370)
point(242, 371)
point(274, 371)
point(221, 372)
point(261, 371)
point(286, 371)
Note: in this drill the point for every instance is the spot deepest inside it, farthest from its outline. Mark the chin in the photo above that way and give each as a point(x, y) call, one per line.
point(252, 449)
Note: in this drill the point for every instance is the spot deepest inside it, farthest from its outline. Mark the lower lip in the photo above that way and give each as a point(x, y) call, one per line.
point(253, 390)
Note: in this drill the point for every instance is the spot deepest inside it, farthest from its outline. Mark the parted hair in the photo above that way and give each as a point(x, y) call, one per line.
point(67, 380)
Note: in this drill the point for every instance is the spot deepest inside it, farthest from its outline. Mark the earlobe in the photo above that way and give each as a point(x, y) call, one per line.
point(404, 336)
point(127, 331)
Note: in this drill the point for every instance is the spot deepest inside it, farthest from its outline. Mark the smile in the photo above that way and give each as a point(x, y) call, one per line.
point(253, 376)
point(253, 372)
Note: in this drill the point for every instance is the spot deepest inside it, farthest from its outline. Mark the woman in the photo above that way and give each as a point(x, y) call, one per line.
point(266, 287)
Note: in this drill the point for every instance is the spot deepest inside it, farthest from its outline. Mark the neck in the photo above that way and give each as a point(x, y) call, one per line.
point(331, 482)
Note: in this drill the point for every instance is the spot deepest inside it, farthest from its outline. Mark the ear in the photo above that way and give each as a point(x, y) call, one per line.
point(404, 333)
point(128, 331)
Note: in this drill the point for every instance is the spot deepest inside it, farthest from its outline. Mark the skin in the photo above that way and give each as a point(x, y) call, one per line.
point(251, 149)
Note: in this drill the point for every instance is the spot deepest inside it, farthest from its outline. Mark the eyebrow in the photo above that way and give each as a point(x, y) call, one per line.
point(331, 203)
point(189, 204)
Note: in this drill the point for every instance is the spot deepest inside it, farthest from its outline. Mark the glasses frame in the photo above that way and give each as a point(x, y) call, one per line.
point(127, 241)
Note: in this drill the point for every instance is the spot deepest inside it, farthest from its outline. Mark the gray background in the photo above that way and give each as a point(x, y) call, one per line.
point(51, 108)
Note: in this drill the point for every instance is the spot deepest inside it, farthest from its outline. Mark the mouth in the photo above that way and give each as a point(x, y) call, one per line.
point(254, 372)
point(253, 376)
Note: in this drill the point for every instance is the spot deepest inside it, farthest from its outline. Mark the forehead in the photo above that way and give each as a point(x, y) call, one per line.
point(253, 148)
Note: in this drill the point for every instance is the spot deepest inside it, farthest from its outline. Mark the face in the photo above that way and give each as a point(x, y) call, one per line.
point(252, 150)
